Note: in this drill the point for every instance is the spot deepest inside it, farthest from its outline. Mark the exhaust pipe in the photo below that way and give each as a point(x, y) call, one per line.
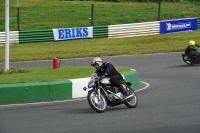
point(131, 96)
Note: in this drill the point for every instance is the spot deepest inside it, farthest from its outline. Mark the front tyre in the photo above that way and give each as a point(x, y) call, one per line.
point(186, 59)
point(132, 102)
point(96, 104)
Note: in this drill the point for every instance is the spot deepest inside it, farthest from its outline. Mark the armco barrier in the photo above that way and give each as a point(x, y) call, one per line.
point(13, 37)
point(56, 90)
point(36, 36)
point(110, 31)
point(100, 32)
point(33, 36)
point(134, 29)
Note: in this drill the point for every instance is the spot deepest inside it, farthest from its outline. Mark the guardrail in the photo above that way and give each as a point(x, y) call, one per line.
point(13, 37)
point(36, 36)
point(100, 32)
point(134, 29)
point(33, 36)
point(110, 31)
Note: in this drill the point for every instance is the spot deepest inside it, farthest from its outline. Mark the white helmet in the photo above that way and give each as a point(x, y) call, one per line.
point(96, 60)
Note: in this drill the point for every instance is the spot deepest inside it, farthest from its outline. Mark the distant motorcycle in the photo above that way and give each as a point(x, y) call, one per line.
point(187, 60)
point(102, 94)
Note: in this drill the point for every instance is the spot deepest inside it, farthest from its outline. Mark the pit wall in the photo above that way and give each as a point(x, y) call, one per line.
point(55, 90)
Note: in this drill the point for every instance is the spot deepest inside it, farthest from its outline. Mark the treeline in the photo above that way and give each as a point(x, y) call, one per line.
point(139, 0)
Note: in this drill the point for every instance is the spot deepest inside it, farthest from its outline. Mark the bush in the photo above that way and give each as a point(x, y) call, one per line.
point(12, 70)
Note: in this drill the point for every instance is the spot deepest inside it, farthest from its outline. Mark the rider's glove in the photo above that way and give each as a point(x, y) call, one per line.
point(103, 76)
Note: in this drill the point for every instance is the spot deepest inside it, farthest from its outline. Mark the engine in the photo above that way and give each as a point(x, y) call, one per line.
point(113, 93)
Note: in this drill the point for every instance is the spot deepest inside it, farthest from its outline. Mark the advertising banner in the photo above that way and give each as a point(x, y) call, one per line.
point(179, 25)
point(72, 33)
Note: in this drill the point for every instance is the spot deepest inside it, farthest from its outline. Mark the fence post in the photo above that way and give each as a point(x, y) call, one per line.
point(92, 15)
point(159, 3)
point(18, 28)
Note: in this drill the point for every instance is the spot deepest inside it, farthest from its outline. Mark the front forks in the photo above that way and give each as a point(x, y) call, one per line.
point(98, 92)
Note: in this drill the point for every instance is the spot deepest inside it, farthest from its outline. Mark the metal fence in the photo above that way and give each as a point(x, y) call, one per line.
point(41, 15)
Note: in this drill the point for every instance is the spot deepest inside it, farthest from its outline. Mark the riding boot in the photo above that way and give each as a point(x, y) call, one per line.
point(123, 89)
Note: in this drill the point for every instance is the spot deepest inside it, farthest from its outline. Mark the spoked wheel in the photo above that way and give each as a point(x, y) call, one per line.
point(96, 104)
point(132, 102)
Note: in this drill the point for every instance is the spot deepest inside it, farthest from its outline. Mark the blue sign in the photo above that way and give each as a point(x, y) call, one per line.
point(179, 25)
point(73, 33)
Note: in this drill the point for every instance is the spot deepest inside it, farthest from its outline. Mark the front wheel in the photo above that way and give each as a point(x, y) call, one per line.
point(132, 102)
point(186, 59)
point(98, 105)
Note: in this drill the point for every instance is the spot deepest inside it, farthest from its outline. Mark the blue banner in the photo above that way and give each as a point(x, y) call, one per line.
point(179, 25)
point(73, 33)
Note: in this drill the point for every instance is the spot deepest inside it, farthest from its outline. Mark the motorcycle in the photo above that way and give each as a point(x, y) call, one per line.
point(187, 60)
point(102, 94)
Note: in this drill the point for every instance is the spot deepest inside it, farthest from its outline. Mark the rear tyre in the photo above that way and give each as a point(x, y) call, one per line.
point(96, 104)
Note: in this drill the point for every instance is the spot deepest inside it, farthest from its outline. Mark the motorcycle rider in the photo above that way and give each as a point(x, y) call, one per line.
point(189, 51)
point(106, 69)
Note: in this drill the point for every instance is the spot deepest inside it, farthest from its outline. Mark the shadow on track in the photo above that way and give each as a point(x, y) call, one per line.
point(89, 110)
point(184, 65)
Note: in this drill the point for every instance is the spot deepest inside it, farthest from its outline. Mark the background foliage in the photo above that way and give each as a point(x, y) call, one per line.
point(43, 14)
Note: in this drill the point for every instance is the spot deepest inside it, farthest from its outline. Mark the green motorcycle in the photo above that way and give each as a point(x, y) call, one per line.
point(187, 60)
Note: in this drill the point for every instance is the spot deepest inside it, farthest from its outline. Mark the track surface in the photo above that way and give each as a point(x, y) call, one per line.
point(171, 104)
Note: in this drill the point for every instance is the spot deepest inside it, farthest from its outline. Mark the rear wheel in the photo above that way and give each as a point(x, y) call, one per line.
point(96, 104)
point(132, 102)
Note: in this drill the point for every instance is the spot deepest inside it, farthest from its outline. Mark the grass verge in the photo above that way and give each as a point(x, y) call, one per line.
point(101, 47)
point(46, 74)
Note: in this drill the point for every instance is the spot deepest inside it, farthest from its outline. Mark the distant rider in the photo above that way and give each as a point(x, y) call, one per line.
point(189, 51)
point(106, 69)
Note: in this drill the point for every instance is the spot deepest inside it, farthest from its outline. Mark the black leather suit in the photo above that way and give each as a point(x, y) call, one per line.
point(190, 51)
point(115, 77)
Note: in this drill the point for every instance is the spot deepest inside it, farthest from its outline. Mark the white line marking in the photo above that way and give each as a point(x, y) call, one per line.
point(146, 86)
point(71, 100)
point(38, 103)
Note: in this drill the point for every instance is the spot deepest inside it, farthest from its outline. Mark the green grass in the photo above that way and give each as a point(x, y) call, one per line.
point(43, 14)
point(88, 48)
point(44, 74)
point(101, 47)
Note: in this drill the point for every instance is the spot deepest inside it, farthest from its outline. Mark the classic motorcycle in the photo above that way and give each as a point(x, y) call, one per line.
point(102, 94)
point(186, 59)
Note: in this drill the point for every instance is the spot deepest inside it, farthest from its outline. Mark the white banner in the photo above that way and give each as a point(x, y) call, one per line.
point(73, 33)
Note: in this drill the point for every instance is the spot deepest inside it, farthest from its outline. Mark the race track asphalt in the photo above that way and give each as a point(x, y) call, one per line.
point(169, 105)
